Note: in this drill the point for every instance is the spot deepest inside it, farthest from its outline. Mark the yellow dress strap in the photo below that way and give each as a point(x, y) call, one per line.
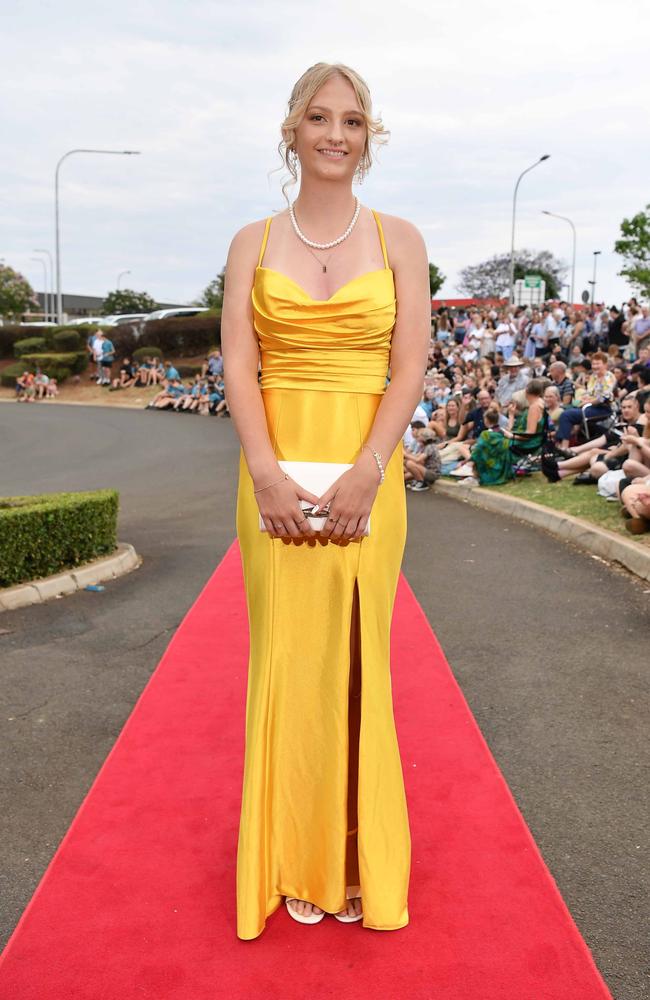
point(266, 236)
point(381, 236)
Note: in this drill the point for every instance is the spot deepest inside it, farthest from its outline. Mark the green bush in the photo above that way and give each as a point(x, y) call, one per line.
point(11, 332)
point(183, 336)
point(75, 361)
point(147, 352)
point(9, 374)
point(188, 371)
point(29, 345)
point(67, 340)
point(45, 534)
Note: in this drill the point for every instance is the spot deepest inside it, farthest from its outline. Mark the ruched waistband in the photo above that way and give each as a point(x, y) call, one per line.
point(336, 370)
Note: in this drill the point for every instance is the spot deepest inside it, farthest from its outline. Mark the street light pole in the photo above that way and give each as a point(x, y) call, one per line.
point(119, 276)
point(42, 263)
point(593, 283)
point(50, 307)
point(546, 156)
point(117, 152)
point(573, 264)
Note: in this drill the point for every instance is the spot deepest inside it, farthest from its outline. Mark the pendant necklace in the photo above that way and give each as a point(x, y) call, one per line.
point(324, 246)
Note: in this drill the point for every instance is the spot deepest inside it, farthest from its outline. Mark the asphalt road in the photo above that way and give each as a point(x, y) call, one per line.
point(550, 648)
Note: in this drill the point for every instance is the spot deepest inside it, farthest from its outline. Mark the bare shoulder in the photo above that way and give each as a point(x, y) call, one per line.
point(403, 239)
point(247, 240)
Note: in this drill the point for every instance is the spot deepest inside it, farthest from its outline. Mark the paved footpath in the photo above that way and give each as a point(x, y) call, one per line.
point(549, 645)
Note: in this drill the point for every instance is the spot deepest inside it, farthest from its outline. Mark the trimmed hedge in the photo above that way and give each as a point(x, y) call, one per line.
point(29, 345)
point(183, 336)
point(76, 361)
point(146, 352)
point(9, 374)
point(188, 371)
point(68, 340)
point(48, 533)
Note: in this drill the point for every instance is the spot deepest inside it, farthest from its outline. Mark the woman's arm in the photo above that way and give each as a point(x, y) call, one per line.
point(240, 352)
point(410, 341)
point(352, 495)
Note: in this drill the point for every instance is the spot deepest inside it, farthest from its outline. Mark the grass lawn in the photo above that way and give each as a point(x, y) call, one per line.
point(580, 501)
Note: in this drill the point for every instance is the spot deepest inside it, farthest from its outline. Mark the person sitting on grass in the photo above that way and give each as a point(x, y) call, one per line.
point(25, 388)
point(165, 399)
point(126, 378)
point(590, 460)
point(598, 398)
point(635, 498)
point(526, 425)
point(143, 373)
point(423, 468)
point(637, 439)
point(221, 409)
point(492, 453)
point(41, 381)
point(51, 389)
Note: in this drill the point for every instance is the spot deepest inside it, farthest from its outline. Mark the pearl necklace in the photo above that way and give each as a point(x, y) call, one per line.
point(333, 243)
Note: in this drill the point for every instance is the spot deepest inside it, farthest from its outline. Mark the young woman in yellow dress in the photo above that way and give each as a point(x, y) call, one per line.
point(332, 298)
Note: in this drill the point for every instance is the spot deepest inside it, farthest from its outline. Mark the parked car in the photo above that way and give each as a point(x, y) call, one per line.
point(120, 320)
point(95, 320)
point(179, 311)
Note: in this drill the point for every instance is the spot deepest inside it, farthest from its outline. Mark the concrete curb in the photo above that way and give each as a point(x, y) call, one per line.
point(600, 542)
point(122, 561)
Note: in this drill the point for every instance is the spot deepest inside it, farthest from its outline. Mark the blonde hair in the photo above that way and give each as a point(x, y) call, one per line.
point(301, 96)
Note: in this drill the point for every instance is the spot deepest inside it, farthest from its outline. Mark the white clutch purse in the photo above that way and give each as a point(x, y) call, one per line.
point(316, 477)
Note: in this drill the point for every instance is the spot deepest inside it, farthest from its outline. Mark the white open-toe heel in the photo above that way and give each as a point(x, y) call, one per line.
point(351, 892)
point(313, 918)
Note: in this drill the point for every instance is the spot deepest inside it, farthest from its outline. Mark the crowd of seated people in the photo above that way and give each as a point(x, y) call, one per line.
point(561, 390)
point(31, 387)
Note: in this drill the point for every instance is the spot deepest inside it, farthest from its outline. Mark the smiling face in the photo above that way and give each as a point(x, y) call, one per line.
point(331, 137)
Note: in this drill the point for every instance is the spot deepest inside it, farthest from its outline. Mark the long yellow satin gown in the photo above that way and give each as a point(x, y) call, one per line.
point(319, 811)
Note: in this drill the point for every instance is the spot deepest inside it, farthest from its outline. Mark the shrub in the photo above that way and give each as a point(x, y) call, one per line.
point(29, 345)
point(183, 336)
point(123, 339)
point(188, 371)
point(146, 352)
point(67, 340)
point(9, 374)
point(42, 535)
point(58, 366)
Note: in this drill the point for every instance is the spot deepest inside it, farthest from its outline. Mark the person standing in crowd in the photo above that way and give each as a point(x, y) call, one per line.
point(615, 333)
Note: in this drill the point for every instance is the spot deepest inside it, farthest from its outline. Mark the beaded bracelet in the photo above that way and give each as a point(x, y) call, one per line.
point(377, 460)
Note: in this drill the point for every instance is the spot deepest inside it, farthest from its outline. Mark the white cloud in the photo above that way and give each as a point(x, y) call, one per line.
point(472, 96)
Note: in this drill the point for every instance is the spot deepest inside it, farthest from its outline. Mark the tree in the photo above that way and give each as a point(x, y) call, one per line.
point(16, 294)
point(125, 300)
point(491, 278)
point(212, 296)
point(634, 248)
point(436, 278)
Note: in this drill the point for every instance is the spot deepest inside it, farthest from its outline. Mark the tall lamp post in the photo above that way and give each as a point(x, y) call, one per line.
point(116, 152)
point(44, 266)
point(546, 156)
point(593, 283)
point(573, 264)
point(119, 276)
point(49, 308)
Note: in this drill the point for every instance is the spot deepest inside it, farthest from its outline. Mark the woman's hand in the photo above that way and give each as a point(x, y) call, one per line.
point(281, 511)
point(350, 499)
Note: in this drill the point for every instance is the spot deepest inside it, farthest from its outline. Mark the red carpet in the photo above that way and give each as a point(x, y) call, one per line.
point(139, 899)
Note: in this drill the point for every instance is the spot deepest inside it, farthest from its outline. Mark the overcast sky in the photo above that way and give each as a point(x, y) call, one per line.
point(472, 96)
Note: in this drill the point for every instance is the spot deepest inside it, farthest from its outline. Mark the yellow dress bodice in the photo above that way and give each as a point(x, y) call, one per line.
point(340, 344)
